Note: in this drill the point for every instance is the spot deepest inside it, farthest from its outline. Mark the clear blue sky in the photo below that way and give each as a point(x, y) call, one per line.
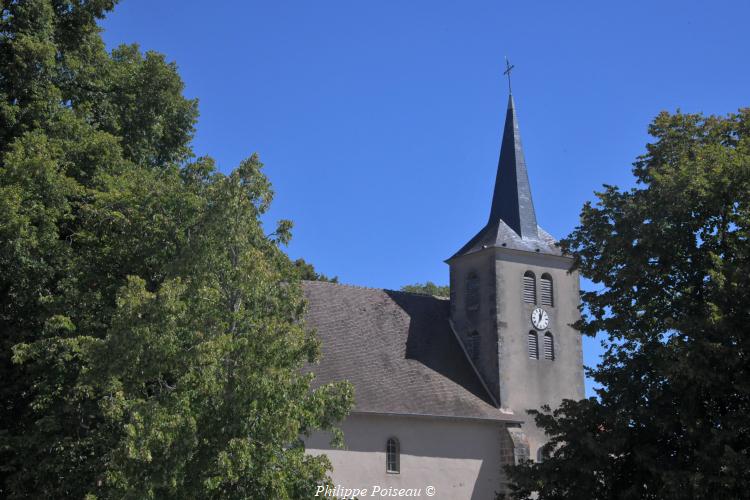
point(380, 121)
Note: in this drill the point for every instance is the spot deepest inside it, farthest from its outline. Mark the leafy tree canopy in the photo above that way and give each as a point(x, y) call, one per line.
point(428, 288)
point(307, 271)
point(152, 341)
point(672, 259)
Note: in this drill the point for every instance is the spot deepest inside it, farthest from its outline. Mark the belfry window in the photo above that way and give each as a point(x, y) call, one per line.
point(472, 292)
point(392, 458)
point(473, 346)
point(549, 346)
point(529, 288)
point(547, 295)
point(533, 345)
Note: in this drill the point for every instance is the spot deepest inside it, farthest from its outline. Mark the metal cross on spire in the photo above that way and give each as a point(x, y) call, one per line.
point(508, 68)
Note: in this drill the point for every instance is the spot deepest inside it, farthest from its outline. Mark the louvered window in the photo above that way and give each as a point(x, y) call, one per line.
point(546, 290)
point(392, 458)
point(529, 288)
point(473, 346)
point(533, 346)
point(472, 292)
point(549, 346)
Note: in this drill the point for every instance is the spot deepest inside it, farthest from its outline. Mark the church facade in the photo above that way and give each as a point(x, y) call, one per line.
point(442, 385)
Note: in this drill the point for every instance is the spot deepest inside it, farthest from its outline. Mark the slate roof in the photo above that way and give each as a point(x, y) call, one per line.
point(511, 201)
point(512, 221)
point(398, 351)
point(498, 234)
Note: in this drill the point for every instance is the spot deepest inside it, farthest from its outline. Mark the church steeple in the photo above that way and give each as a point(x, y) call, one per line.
point(512, 222)
point(511, 271)
point(511, 201)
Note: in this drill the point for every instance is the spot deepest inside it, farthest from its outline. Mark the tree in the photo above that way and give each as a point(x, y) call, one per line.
point(673, 262)
point(152, 336)
point(428, 288)
point(307, 271)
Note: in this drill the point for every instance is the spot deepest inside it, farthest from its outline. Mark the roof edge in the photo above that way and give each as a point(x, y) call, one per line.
point(362, 287)
point(473, 367)
point(515, 251)
point(442, 417)
point(540, 245)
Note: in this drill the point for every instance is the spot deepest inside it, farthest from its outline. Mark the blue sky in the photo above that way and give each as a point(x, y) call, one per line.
point(380, 122)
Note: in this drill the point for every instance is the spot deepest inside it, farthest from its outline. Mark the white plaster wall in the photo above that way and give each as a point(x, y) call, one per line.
point(459, 458)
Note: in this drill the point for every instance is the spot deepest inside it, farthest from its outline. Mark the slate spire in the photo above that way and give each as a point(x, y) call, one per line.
point(512, 201)
point(512, 222)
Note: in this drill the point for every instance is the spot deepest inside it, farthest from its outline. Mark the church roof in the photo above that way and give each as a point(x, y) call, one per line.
point(500, 235)
point(512, 221)
point(511, 201)
point(397, 349)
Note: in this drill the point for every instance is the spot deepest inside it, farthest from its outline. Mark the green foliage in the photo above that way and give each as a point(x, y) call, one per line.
point(673, 261)
point(428, 288)
point(306, 271)
point(152, 341)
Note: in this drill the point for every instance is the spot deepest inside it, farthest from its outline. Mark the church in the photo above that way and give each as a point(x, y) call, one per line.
point(442, 385)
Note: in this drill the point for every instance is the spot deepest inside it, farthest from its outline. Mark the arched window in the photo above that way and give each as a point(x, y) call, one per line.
point(472, 292)
point(539, 455)
point(533, 345)
point(549, 346)
point(473, 346)
point(529, 287)
point(547, 294)
point(392, 459)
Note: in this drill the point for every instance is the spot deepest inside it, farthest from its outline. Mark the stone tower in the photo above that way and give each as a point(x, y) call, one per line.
point(513, 300)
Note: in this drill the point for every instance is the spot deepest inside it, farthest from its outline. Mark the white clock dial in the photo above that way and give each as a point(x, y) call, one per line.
point(539, 318)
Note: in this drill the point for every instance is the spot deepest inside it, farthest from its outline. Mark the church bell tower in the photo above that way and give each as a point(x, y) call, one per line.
point(514, 300)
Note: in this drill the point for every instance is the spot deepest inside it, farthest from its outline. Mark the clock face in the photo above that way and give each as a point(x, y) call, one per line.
point(539, 318)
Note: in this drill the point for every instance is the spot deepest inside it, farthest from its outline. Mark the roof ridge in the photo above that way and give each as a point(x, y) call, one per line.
point(421, 294)
point(362, 287)
point(347, 285)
